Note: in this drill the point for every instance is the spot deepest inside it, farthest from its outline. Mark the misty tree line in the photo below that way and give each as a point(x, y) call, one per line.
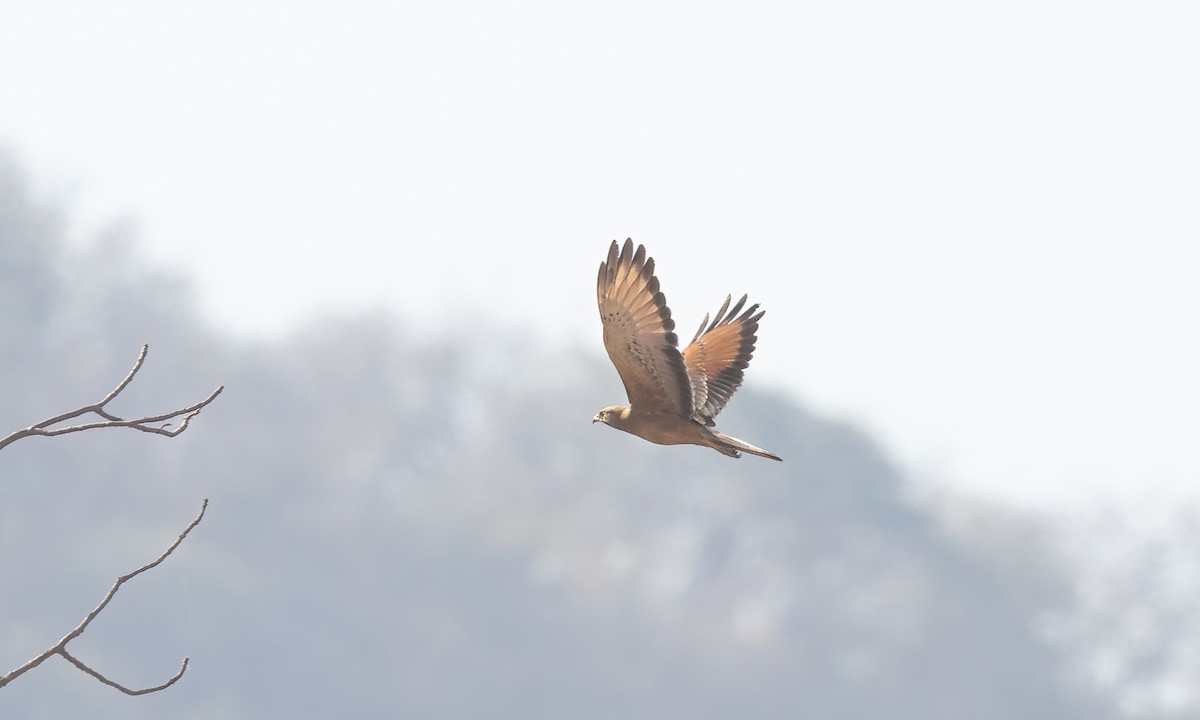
point(384, 545)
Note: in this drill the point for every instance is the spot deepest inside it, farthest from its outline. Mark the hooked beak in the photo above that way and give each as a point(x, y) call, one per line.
point(596, 419)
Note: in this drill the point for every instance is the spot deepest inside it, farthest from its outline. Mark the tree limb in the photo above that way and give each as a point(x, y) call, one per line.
point(151, 424)
point(60, 648)
point(108, 420)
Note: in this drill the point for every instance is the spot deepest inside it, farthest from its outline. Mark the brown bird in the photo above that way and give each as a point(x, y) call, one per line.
point(673, 396)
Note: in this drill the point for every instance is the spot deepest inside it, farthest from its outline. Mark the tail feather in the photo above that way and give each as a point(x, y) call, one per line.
point(730, 446)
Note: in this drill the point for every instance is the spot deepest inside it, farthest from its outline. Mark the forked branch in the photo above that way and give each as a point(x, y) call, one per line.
point(60, 648)
point(157, 424)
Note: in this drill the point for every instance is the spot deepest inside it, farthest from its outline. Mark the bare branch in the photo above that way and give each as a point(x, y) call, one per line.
point(128, 691)
point(137, 365)
point(149, 423)
point(60, 648)
point(156, 424)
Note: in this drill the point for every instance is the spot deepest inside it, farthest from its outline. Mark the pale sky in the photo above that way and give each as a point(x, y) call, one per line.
point(975, 226)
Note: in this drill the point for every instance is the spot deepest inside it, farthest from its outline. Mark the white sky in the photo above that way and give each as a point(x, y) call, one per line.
point(975, 226)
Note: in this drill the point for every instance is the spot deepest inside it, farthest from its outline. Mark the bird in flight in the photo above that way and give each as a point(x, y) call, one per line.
point(673, 396)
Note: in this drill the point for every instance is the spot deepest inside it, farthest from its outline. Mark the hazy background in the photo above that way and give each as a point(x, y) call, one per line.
point(975, 232)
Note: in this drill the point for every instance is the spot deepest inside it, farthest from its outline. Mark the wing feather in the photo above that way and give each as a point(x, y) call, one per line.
point(718, 356)
point(639, 332)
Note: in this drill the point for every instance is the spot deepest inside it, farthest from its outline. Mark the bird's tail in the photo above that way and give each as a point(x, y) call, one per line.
point(730, 446)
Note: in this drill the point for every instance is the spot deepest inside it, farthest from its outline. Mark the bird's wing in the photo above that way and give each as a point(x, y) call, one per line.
point(638, 333)
point(718, 355)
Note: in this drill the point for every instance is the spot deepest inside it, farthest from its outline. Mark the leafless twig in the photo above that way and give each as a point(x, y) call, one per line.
point(156, 424)
point(150, 424)
point(60, 648)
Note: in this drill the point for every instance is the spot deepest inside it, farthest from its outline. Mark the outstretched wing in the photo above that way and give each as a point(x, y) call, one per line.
point(638, 333)
point(717, 357)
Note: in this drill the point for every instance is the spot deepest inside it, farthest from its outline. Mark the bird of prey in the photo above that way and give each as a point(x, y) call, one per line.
point(673, 396)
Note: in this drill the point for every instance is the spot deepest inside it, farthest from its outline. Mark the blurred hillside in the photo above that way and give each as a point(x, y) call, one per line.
point(433, 528)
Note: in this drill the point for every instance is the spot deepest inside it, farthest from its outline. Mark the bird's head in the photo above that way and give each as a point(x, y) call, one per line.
point(610, 415)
